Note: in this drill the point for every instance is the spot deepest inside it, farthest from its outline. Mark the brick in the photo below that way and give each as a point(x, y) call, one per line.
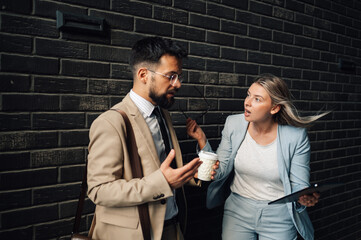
point(56, 193)
point(46, 158)
point(68, 209)
point(125, 39)
point(27, 140)
point(85, 68)
point(29, 216)
point(48, 9)
point(26, 64)
point(133, 8)
point(194, 63)
point(270, 47)
point(91, 3)
point(222, 92)
point(294, 5)
point(189, 33)
point(13, 6)
point(89, 103)
point(54, 229)
point(270, 69)
point(14, 161)
point(233, 54)
point(121, 71)
point(233, 27)
point(18, 234)
point(74, 138)
point(153, 27)
point(71, 174)
point(28, 26)
point(59, 85)
point(301, 63)
point(256, 57)
point(321, 45)
point(203, 77)
point(56, 48)
point(15, 44)
point(205, 50)
point(260, 33)
point(291, 73)
point(220, 11)
point(236, 4)
point(14, 83)
point(204, 22)
point(171, 15)
point(219, 65)
point(271, 23)
point(230, 105)
point(219, 38)
point(17, 121)
point(320, 66)
point(310, 53)
point(191, 5)
point(247, 43)
point(303, 19)
point(283, 13)
point(261, 8)
point(43, 121)
point(283, 37)
point(15, 199)
point(293, 28)
point(109, 54)
point(231, 79)
point(29, 178)
point(15, 102)
point(247, 17)
point(110, 87)
point(86, 37)
point(246, 68)
point(303, 41)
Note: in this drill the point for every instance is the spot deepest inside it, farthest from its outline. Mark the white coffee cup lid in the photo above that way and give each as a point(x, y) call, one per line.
point(208, 155)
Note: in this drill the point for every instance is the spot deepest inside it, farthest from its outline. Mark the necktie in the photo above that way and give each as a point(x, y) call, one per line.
point(162, 129)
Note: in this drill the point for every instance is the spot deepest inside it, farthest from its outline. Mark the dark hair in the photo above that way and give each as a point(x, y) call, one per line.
point(151, 49)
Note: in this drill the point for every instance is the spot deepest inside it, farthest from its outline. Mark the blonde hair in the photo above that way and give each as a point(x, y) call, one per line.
point(280, 95)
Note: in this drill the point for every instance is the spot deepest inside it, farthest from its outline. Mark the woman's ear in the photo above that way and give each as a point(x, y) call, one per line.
point(275, 109)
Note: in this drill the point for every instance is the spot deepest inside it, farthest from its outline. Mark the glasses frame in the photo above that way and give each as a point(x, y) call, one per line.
point(204, 113)
point(174, 77)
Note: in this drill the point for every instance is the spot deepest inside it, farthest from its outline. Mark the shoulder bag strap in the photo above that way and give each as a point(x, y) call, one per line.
point(137, 173)
point(79, 209)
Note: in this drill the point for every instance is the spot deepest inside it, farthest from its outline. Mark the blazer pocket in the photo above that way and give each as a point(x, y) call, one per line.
point(119, 217)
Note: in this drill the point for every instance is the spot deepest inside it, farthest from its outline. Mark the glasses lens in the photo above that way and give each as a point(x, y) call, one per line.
point(173, 78)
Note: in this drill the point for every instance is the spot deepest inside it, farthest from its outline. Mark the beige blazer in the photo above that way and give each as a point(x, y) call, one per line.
point(110, 183)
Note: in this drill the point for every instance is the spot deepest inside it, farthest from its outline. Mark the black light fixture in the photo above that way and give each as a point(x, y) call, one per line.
point(79, 23)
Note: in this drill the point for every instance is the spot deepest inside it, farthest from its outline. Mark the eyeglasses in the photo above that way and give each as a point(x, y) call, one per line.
point(172, 78)
point(203, 113)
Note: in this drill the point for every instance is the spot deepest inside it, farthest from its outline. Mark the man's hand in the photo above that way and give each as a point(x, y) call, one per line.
point(178, 177)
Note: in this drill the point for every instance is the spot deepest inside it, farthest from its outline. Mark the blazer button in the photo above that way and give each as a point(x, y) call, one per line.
point(163, 201)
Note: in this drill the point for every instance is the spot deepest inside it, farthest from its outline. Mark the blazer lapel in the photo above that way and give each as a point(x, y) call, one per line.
point(145, 143)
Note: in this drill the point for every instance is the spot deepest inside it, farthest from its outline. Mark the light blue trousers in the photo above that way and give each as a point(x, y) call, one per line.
point(247, 219)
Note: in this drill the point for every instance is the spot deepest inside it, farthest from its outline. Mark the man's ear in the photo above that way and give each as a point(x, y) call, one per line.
point(275, 109)
point(142, 75)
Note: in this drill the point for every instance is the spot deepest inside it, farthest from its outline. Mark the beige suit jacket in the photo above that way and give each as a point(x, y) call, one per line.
point(110, 183)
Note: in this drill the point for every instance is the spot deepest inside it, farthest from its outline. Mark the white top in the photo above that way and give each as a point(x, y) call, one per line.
point(256, 171)
point(146, 109)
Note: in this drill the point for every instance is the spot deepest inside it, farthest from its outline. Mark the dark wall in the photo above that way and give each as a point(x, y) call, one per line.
point(54, 83)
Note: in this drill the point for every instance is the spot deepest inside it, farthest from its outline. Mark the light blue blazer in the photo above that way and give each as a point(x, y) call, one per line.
point(293, 156)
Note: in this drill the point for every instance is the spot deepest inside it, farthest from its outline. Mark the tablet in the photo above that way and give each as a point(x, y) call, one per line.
point(315, 188)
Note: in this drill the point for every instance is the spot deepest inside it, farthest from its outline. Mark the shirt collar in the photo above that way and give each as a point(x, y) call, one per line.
point(143, 105)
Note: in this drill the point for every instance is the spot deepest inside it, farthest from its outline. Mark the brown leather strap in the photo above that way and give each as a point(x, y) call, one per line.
point(79, 209)
point(137, 173)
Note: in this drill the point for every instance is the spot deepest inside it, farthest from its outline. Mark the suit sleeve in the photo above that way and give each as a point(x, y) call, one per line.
point(300, 166)
point(107, 170)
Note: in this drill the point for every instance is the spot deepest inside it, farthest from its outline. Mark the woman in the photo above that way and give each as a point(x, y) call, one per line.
point(264, 154)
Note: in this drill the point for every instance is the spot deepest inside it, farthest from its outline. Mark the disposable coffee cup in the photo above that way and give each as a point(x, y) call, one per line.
point(205, 169)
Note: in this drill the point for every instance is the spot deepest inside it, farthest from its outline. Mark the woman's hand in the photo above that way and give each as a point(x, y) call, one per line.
point(215, 167)
point(196, 132)
point(309, 200)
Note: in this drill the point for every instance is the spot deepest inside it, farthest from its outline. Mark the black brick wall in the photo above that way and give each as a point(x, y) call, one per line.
point(55, 83)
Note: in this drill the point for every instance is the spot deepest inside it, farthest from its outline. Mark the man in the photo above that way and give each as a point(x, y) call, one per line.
point(156, 66)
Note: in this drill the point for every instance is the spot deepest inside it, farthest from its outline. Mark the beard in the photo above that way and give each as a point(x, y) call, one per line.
point(161, 99)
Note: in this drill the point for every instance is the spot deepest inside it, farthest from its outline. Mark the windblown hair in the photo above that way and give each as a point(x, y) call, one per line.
point(280, 95)
point(149, 50)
